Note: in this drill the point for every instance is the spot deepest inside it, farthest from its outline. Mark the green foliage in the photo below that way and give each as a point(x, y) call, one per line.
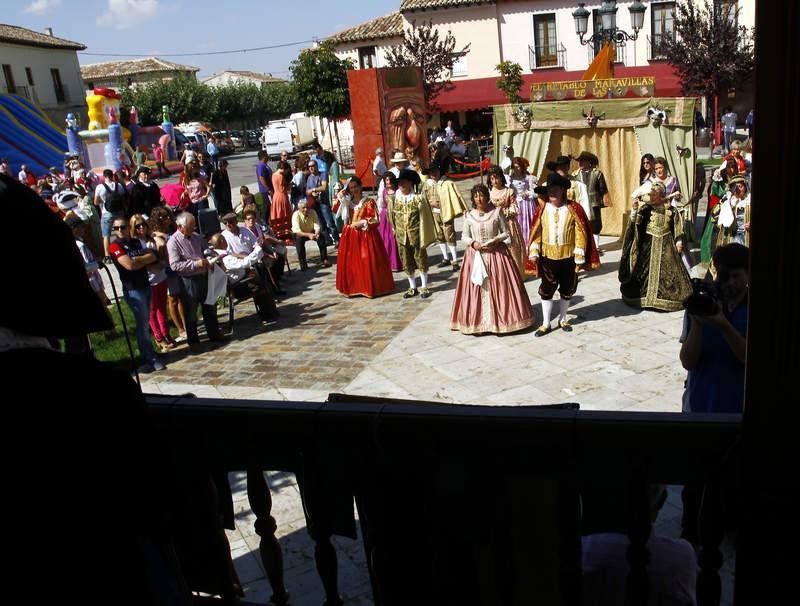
point(422, 47)
point(189, 100)
point(710, 52)
point(510, 80)
point(112, 346)
point(320, 81)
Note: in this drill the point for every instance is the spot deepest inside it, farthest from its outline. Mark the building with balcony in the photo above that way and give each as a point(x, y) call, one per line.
point(537, 34)
point(132, 72)
point(229, 77)
point(42, 68)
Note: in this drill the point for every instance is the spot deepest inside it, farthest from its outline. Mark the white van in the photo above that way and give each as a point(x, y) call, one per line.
point(276, 139)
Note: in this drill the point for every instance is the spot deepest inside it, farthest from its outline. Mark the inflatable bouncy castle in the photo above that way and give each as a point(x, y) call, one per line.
point(107, 144)
point(104, 144)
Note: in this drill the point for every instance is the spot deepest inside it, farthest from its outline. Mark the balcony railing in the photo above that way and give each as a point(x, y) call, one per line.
point(547, 56)
point(654, 43)
point(411, 468)
point(620, 52)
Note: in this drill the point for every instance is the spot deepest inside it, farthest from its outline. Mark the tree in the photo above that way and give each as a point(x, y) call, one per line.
point(510, 80)
point(709, 51)
point(187, 98)
point(278, 100)
point(320, 82)
point(422, 48)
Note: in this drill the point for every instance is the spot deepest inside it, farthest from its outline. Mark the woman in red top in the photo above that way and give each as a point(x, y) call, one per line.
point(362, 266)
point(280, 212)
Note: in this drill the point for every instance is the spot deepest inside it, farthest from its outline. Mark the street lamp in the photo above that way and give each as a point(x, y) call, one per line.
point(608, 18)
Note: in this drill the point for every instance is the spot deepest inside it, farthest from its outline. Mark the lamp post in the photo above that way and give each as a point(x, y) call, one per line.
point(609, 31)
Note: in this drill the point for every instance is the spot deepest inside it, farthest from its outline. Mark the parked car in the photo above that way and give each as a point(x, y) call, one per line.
point(224, 142)
point(180, 140)
point(238, 139)
point(197, 141)
point(253, 138)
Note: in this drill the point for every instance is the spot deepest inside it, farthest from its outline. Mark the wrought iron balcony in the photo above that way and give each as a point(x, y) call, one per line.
point(547, 56)
point(654, 42)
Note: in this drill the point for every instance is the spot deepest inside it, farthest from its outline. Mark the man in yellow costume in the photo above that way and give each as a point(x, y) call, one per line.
point(446, 204)
point(412, 220)
point(560, 245)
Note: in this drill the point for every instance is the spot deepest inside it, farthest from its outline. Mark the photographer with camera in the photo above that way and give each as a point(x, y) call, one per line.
point(715, 335)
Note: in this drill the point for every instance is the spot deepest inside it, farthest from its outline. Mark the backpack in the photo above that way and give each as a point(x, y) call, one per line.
point(115, 201)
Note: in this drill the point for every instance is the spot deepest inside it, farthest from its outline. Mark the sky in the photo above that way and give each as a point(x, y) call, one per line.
point(164, 27)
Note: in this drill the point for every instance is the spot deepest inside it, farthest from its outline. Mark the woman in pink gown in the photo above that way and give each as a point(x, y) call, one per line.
point(384, 225)
point(498, 303)
point(280, 212)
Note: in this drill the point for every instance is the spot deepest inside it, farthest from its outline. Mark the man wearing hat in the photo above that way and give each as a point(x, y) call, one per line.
point(145, 194)
point(729, 221)
point(446, 204)
point(412, 221)
point(577, 190)
point(560, 245)
point(596, 188)
point(398, 162)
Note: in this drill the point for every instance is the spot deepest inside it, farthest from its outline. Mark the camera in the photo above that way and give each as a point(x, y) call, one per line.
point(703, 300)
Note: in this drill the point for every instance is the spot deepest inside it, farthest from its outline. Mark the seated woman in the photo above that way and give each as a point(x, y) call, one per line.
point(362, 266)
point(497, 303)
point(651, 234)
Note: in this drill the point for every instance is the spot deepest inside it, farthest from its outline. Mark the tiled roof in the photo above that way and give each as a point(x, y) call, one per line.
point(131, 67)
point(247, 74)
point(424, 5)
point(27, 37)
point(388, 26)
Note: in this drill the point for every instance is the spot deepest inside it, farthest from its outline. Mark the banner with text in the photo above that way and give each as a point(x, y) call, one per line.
point(641, 86)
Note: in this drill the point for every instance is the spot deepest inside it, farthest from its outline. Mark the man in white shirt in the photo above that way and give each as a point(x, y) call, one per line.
point(728, 127)
point(239, 243)
point(449, 133)
point(378, 165)
point(102, 193)
point(237, 269)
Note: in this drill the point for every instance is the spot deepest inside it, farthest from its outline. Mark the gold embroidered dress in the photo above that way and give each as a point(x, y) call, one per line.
point(651, 273)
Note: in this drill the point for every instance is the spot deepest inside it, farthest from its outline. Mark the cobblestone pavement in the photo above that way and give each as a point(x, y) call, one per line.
point(616, 358)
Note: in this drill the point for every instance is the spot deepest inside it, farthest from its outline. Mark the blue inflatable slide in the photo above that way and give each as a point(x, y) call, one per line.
point(27, 136)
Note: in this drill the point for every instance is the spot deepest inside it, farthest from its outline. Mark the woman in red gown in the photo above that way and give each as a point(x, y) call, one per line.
point(280, 212)
point(362, 267)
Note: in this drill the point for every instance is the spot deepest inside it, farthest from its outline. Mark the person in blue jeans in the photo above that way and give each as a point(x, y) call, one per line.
point(317, 188)
point(131, 259)
point(213, 152)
